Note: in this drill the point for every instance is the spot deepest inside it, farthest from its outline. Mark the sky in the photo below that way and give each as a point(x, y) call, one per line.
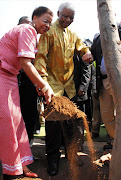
point(85, 22)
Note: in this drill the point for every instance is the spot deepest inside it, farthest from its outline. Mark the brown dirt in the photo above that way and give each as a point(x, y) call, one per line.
point(61, 108)
point(92, 169)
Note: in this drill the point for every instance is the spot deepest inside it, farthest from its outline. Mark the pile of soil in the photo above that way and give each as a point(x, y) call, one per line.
point(61, 108)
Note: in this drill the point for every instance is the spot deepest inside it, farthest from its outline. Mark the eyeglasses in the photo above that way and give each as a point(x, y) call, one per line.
point(46, 22)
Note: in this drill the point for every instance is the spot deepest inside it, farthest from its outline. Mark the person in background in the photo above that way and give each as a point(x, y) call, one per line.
point(88, 108)
point(82, 76)
point(103, 90)
point(17, 49)
point(28, 97)
point(96, 118)
point(24, 19)
point(54, 62)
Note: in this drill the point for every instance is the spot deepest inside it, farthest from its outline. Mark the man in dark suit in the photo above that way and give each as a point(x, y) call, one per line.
point(28, 97)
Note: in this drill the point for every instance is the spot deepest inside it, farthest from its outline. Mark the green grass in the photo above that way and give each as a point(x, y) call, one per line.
point(42, 132)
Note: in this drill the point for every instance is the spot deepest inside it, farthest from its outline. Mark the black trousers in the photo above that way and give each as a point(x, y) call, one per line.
point(61, 133)
point(28, 102)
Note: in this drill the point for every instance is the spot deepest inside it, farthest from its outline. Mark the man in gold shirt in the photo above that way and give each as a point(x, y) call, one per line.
point(54, 62)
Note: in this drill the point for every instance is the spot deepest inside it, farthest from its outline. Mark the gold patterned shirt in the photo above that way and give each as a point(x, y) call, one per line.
point(54, 59)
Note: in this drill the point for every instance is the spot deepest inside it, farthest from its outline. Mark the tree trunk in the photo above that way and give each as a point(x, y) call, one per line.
point(111, 48)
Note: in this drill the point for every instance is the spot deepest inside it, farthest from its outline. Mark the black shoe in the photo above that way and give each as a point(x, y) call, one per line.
point(108, 146)
point(53, 163)
point(52, 169)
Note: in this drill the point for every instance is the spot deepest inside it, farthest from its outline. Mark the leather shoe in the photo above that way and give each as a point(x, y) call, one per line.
point(30, 174)
point(52, 169)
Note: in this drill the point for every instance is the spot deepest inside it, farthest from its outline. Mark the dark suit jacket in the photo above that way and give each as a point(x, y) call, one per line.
point(96, 51)
point(82, 76)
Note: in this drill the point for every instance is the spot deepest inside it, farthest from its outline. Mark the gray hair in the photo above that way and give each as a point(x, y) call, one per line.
point(66, 5)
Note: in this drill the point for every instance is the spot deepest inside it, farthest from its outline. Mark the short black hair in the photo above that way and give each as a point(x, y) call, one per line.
point(22, 19)
point(41, 10)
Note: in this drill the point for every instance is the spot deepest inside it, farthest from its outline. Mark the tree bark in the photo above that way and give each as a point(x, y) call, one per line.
point(111, 48)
